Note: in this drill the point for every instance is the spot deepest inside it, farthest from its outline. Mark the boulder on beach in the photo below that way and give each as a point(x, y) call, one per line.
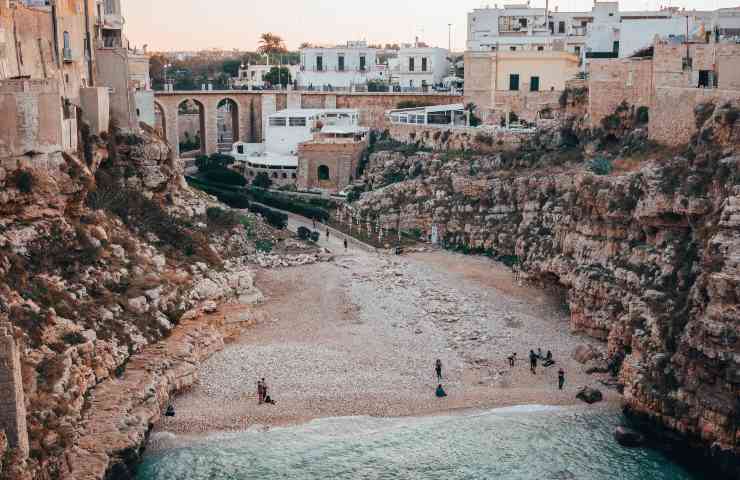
point(627, 437)
point(584, 353)
point(589, 395)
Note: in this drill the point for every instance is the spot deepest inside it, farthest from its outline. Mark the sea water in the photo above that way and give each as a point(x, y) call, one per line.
point(543, 443)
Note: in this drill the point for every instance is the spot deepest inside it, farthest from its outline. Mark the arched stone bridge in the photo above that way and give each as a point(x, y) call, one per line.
point(250, 109)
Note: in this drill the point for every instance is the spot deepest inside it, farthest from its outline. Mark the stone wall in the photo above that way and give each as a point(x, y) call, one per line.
point(456, 138)
point(12, 402)
point(612, 82)
point(30, 117)
point(673, 118)
point(342, 160)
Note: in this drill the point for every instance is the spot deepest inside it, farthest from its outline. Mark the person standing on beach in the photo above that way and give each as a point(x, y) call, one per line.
point(260, 392)
point(561, 379)
point(264, 390)
point(345, 244)
point(512, 359)
point(533, 361)
point(438, 368)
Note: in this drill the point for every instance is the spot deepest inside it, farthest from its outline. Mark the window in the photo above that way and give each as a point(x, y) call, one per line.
point(561, 27)
point(424, 64)
point(514, 82)
point(705, 79)
point(577, 51)
point(319, 63)
point(534, 84)
point(240, 149)
point(523, 22)
point(293, 176)
point(615, 48)
point(363, 63)
point(340, 64)
point(540, 48)
point(552, 27)
point(513, 49)
point(285, 175)
point(323, 173)
point(297, 121)
point(584, 23)
point(277, 121)
point(67, 44)
point(411, 64)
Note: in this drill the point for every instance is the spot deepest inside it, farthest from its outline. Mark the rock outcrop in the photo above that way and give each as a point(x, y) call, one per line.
point(100, 258)
point(648, 256)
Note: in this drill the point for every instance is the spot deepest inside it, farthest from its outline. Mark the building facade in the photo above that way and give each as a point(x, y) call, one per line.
point(340, 68)
point(602, 32)
point(421, 67)
point(253, 77)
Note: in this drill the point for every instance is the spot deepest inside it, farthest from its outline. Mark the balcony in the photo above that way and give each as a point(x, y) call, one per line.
point(112, 21)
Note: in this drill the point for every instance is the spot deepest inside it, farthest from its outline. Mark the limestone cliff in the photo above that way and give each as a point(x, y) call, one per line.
point(100, 257)
point(649, 254)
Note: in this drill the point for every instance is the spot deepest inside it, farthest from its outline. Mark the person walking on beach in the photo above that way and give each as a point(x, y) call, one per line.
point(438, 368)
point(327, 234)
point(345, 244)
point(264, 390)
point(561, 379)
point(533, 361)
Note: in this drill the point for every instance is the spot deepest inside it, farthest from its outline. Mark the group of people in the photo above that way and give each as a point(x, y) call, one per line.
point(262, 393)
point(547, 361)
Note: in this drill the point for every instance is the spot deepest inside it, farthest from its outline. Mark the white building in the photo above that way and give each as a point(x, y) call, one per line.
point(421, 67)
point(340, 67)
point(253, 76)
point(602, 32)
point(285, 130)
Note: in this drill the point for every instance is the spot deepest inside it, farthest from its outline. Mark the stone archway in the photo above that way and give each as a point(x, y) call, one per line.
point(191, 128)
point(323, 173)
point(160, 120)
point(227, 124)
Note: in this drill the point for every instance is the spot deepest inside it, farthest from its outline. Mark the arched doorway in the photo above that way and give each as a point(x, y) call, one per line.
point(160, 120)
point(191, 129)
point(227, 123)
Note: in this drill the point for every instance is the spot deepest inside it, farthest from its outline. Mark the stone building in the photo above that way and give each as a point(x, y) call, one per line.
point(420, 67)
point(523, 82)
point(331, 160)
point(671, 79)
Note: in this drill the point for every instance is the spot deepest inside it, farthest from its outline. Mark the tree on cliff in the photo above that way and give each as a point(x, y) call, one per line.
point(271, 43)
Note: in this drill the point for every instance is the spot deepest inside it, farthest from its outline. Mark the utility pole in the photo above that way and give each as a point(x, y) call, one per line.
point(449, 35)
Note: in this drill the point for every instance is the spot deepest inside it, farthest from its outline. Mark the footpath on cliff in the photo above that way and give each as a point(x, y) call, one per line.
point(360, 335)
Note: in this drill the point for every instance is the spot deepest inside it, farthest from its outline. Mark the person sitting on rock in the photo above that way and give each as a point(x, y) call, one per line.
point(440, 391)
point(548, 359)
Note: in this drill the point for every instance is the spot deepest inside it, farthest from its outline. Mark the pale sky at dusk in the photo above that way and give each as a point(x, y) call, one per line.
point(199, 24)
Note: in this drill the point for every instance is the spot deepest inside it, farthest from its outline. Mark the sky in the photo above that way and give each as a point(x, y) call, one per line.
point(229, 24)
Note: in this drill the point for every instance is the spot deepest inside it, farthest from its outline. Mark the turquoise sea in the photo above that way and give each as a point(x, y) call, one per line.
point(518, 443)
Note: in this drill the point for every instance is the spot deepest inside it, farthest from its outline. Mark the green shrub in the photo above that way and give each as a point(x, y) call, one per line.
point(601, 166)
point(412, 104)
point(264, 246)
point(642, 115)
point(262, 180)
point(225, 175)
point(289, 204)
point(23, 181)
point(277, 219)
point(215, 161)
point(218, 217)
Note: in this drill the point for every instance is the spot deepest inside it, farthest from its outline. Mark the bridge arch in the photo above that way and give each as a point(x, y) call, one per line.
point(227, 123)
point(191, 128)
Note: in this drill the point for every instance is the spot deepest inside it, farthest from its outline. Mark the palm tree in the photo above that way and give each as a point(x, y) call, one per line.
point(271, 43)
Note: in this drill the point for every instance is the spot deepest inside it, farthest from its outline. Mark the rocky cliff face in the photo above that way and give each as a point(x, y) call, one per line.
point(649, 255)
point(100, 257)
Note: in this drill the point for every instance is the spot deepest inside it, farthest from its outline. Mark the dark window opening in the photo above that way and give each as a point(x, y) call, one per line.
point(523, 22)
point(514, 82)
point(323, 172)
point(615, 48)
point(423, 64)
point(341, 63)
point(363, 63)
point(552, 27)
point(540, 48)
point(319, 64)
point(561, 27)
point(513, 49)
point(411, 65)
point(534, 84)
